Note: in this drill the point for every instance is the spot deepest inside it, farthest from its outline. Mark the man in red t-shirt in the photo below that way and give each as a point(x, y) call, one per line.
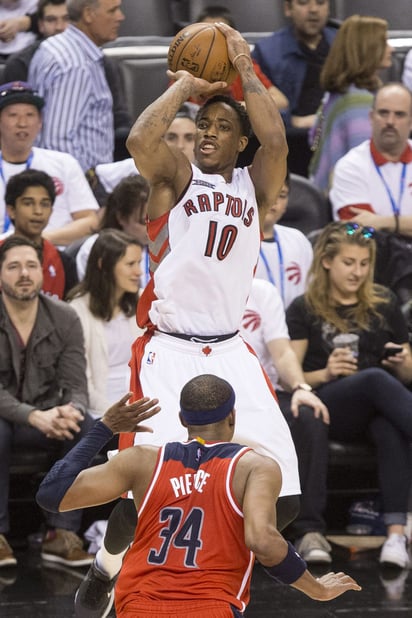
point(29, 199)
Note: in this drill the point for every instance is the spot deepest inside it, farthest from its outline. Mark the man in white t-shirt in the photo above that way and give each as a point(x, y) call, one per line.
point(264, 328)
point(372, 183)
point(372, 186)
point(285, 253)
point(74, 213)
point(180, 134)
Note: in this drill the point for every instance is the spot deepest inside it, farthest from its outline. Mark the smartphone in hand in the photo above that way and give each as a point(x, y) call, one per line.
point(391, 351)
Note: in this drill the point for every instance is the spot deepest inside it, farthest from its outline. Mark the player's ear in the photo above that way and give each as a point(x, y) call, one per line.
point(243, 142)
point(11, 211)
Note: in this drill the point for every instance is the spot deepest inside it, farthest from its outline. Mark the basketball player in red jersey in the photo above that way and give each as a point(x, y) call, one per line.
point(184, 492)
point(204, 237)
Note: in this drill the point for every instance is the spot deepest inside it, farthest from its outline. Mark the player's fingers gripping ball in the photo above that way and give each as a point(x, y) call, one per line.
point(201, 50)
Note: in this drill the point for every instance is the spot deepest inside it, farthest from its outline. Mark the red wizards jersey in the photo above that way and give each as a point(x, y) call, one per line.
point(189, 542)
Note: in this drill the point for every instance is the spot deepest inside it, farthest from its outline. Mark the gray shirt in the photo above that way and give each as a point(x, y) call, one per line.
point(50, 371)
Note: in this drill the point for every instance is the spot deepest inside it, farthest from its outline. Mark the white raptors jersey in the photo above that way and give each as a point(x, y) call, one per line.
point(203, 255)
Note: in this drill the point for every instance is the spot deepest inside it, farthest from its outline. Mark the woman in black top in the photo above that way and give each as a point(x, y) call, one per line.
point(367, 395)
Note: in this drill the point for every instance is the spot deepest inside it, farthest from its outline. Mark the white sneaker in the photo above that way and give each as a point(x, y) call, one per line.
point(394, 586)
point(394, 551)
point(408, 527)
point(314, 548)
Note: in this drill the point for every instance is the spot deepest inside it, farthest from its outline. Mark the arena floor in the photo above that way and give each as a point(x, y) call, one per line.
point(37, 590)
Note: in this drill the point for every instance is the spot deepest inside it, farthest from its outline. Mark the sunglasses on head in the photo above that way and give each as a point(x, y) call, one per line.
point(366, 231)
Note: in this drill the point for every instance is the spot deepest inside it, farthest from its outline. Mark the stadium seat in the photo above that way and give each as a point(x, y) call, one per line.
point(140, 41)
point(145, 17)
point(143, 71)
point(308, 209)
point(396, 13)
point(262, 16)
point(144, 80)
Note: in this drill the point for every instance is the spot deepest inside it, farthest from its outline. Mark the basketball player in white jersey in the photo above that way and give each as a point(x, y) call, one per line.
point(204, 237)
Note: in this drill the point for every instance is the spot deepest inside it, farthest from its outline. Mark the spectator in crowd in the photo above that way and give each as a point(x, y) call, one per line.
point(285, 253)
point(74, 212)
point(264, 328)
point(365, 391)
point(180, 134)
point(105, 302)
point(407, 70)
point(52, 18)
point(292, 58)
point(43, 389)
point(15, 25)
point(237, 490)
point(371, 186)
point(29, 197)
point(68, 71)
point(216, 13)
point(126, 210)
point(349, 77)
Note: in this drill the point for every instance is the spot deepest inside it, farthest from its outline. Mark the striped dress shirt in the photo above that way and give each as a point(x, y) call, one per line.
point(67, 70)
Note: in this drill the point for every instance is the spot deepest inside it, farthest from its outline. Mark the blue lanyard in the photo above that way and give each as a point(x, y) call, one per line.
point(147, 266)
point(281, 266)
point(29, 160)
point(396, 207)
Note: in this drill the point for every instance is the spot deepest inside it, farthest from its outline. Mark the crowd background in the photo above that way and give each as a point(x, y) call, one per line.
point(111, 68)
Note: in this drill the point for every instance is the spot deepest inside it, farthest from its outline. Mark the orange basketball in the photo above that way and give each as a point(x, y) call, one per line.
point(201, 50)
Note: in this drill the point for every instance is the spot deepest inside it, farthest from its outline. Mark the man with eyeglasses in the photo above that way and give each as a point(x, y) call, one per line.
point(372, 186)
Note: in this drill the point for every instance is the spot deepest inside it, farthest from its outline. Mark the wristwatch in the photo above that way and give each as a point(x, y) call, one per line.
point(302, 387)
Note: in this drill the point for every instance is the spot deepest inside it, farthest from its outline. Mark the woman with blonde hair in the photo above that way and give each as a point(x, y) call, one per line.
point(365, 389)
point(350, 77)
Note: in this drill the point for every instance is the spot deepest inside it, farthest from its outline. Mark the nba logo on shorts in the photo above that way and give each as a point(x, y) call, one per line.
point(150, 358)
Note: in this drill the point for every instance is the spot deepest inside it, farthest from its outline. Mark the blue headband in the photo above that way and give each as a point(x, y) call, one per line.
point(207, 417)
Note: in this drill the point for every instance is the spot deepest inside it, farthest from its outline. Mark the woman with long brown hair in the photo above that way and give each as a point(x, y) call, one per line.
point(365, 392)
point(350, 77)
point(105, 302)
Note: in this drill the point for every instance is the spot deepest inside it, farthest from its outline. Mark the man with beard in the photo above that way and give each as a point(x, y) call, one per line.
point(43, 388)
point(372, 186)
point(371, 182)
point(293, 57)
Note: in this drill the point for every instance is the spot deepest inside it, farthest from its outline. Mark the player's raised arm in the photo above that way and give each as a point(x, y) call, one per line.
point(268, 169)
point(153, 158)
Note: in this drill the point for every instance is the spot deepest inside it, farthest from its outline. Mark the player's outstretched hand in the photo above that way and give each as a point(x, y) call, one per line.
point(199, 88)
point(329, 586)
point(236, 44)
point(126, 417)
